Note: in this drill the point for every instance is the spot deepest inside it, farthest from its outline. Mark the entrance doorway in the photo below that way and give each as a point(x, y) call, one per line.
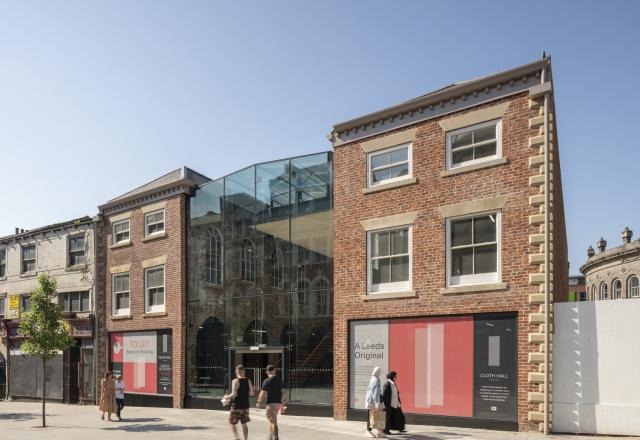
point(71, 360)
point(255, 363)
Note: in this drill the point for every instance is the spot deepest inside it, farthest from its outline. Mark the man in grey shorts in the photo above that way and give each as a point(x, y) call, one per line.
point(273, 391)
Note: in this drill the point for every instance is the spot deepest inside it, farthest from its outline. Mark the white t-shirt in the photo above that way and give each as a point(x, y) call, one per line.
point(119, 390)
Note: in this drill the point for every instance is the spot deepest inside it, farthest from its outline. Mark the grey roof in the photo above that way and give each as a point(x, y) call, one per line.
point(442, 93)
point(43, 229)
point(181, 174)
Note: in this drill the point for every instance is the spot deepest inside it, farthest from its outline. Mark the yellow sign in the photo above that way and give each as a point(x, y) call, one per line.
point(14, 306)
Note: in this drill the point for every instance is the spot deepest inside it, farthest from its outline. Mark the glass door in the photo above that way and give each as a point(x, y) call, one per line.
point(255, 364)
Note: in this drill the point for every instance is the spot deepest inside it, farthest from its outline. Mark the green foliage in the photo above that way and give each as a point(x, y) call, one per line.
point(43, 328)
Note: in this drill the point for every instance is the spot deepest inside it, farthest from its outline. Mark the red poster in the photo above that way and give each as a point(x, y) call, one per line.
point(434, 361)
point(117, 348)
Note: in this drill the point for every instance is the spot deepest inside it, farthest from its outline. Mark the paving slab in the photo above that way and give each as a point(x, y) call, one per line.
point(21, 421)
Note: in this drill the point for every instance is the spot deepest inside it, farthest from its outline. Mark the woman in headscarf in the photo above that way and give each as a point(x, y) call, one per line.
point(373, 404)
point(391, 398)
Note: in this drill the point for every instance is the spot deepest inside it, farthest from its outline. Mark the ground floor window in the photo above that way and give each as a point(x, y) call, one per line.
point(463, 366)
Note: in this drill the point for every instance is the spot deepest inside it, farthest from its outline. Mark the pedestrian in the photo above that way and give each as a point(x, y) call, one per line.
point(241, 390)
point(374, 405)
point(394, 417)
point(273, 391)
point(119, 387)
point(107, 396)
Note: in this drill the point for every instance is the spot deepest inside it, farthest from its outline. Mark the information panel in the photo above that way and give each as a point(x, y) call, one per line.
point(495, 368)
point(144, 359)
point(369, 348)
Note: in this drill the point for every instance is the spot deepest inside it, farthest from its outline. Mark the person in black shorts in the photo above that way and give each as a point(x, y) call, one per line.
point(273, 391)
point(241, 390)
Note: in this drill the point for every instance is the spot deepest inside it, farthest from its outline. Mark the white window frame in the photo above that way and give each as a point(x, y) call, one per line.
point(498, 155)
point(630, 293)
point(116, 311)
point(84, 250)
point(79, 293)
point(604, 291)
point(146, 225)
point(399, 286)
point(475, 279)
point(115, 236)
point(409, 146)
point(616, 293)
point(35, 260)
point(157, 308)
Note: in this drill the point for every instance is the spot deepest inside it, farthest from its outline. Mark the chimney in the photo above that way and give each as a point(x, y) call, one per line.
point(626, 235)
point(602, 244)
point(17, 230)
point(590, 252)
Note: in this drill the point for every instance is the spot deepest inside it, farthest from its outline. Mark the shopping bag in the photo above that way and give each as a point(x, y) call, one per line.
point(377, 419)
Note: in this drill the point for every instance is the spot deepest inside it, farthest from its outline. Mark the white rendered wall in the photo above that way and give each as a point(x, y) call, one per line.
point(596, 367)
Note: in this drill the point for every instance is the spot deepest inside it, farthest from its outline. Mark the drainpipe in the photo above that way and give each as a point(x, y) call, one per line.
point(546, 255)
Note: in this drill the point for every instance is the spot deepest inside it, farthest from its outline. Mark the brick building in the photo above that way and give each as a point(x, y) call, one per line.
point(439, 244)
point(144, 245)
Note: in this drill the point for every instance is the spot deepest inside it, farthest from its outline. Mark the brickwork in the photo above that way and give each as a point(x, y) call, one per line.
point(431, 192)
point(173, 246)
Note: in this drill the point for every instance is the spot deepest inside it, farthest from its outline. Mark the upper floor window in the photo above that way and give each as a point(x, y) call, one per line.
point(154, 223)
point(248, 262)
point(594, 293)
point(3, 263)
point(28, 258)
point(473, 249)
point(213, 257)
point(76, 250)
point(474, 144)
point(604, 291)
point(277, 270)
point(582, 296)
point(389, 259)
point(121, 231)
point(616, 289)
point(390, 165)
point(3, 302)
point(74, 301)
point(120, 289)
point(633, 287)
point(154, 289)
point(25, 303)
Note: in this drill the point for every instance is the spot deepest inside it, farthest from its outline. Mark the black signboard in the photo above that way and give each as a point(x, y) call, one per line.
point(165, 362)
point(495, 393)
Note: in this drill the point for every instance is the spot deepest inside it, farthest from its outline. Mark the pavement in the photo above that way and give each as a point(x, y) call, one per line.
point(22, 421)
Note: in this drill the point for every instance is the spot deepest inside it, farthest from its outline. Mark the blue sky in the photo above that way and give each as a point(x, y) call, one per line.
point(99, 97)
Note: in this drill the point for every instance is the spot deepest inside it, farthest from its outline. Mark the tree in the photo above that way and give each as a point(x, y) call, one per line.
point(43, 328)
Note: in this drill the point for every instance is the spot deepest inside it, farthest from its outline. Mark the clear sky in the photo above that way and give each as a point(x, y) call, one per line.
point(99, 97)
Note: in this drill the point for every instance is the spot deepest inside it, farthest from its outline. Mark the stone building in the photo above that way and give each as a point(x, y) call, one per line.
point(443, 268)
point(613, 273)
point(66, 251)
point(145, 287)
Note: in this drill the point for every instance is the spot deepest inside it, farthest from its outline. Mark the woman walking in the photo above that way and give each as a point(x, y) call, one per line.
point(119, 387)
point(107, 396)
point(394, 418)
point(241, 390)
point(374, 405)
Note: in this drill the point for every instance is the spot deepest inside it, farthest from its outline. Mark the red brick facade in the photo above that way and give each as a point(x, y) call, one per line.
point(172, 245)
point(430, 192)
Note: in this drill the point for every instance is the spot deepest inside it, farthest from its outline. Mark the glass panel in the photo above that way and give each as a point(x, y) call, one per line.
point(484, 229)
point(400, 269)
point(398, 171)
point(462, 261)
point(380, 160)
point(461, 232)
point(381, 271)
point(400, 155)
point(462, 156)
point(380, 242)
point(486, 259)
point(87, 373)
point(74, 302)
point(484, 134)
point(399, 241)
point(381, 175)
point(485, 151)
point(460, 140)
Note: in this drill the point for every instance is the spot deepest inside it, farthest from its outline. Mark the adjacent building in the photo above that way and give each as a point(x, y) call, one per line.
point(65, 251)
point(577, 288)
point(145, 286)
point(449, 246)
point(613, 273)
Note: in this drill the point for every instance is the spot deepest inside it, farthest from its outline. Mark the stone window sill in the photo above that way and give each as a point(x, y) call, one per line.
point(475, 167)
point(384, 186)
point(120, 317)
point(154, 237)
point(477, 288)
point(28, 274)
point(75, 268)
point(390, 295)
point(154, 314)
point(121, 244)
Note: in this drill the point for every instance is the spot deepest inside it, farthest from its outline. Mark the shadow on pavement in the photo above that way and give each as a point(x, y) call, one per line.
point(140, 419)
point(154, 428)
point(20, 417)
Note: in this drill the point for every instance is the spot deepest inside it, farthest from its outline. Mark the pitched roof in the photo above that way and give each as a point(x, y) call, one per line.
point(42, 229)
